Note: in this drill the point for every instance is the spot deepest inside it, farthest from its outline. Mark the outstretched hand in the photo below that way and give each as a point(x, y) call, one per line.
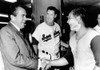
point(45, 63)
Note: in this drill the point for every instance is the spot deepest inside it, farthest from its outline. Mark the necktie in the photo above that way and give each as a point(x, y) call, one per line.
point(25, 41)
point(21, 33)
point(22, 36)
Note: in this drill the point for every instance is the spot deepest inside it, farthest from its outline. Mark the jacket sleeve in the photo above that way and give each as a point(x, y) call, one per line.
point(12, 52)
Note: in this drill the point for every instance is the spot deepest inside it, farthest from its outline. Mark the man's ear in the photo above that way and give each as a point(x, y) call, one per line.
point(55, 15)
point(12, 17)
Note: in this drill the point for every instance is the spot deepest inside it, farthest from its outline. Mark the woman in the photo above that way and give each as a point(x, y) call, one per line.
point(84, 42)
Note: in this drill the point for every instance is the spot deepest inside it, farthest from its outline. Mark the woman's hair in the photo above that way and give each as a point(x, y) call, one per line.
point(85, 16)
point(79, 12)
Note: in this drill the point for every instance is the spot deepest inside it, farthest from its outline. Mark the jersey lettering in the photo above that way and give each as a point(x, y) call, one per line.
point(46, 38)
point(56, 33)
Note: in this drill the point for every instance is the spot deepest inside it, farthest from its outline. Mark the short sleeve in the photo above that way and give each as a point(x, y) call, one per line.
point(58, 27)
point(36, 33)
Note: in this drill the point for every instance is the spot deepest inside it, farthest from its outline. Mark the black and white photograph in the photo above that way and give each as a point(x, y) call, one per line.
point(49, 34)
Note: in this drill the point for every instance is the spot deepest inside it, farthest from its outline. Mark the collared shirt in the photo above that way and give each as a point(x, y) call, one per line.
point(48, 37)
point(15, 26)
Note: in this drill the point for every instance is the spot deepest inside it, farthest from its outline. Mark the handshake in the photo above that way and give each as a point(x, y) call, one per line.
point(46, 63)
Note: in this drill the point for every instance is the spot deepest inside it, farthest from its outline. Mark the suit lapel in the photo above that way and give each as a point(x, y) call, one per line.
point(17, 32)
point(21, 36)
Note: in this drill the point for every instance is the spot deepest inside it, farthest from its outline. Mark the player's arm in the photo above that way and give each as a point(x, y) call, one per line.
point(35, 45)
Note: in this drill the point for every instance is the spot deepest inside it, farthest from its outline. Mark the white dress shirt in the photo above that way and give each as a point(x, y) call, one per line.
point(15, 26)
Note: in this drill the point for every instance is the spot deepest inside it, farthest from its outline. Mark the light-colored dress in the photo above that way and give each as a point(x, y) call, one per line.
point(83, 55)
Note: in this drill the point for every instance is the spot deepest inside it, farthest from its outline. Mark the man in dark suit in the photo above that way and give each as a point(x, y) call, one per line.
point(17, 54)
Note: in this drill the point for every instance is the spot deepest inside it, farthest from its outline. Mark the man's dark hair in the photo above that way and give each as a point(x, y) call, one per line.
point(52, 8)
point(56, 11)
point(13, 9)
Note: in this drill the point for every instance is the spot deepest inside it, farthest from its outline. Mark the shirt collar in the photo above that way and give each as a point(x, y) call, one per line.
point(15, 26)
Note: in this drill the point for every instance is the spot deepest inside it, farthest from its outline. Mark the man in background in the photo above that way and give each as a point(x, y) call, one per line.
point(47, 35)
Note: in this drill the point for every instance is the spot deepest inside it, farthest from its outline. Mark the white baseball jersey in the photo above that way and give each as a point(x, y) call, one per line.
point(48, 37)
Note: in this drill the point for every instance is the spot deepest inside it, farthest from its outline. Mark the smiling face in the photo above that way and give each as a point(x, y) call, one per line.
point(50, 16)
point(73, 22)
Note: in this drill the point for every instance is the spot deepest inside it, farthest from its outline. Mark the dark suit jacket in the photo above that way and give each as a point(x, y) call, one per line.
point(17, 54)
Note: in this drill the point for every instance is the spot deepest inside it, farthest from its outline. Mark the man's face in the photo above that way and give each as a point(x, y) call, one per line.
point(20, 17)
point(50, 16)
point(73, 22)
